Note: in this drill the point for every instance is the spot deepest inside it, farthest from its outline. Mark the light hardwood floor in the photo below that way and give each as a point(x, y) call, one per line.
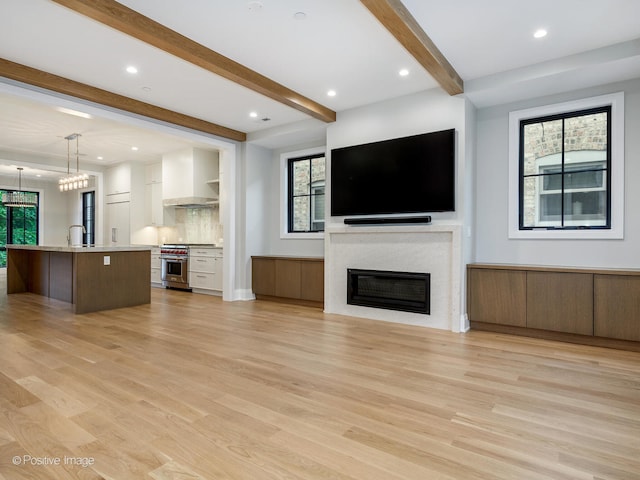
point(191, 387)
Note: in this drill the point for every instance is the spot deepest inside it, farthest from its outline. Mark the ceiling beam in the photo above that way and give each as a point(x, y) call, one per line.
point(395, 17)
point(49, 81)
point(130, 22)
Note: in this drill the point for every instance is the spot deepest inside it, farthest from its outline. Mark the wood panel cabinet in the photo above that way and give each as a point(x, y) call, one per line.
point(561, 302)
point(298, 279)
point(263, 276)
point(617, 306)
point(312, 281)
point(498, 296)
point(584, 305)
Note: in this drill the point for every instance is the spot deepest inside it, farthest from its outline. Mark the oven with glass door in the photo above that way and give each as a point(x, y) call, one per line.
point(175, 266)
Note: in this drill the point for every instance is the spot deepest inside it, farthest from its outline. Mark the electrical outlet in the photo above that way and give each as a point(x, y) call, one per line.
point(107, 260)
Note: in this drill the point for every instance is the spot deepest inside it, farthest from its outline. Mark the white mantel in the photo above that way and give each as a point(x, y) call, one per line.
point(435, 249)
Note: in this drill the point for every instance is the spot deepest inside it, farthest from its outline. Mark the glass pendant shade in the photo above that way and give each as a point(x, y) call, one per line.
point(20, 199)
point(73, 181)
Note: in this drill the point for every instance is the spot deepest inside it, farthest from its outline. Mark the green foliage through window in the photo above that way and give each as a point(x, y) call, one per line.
point(18, 225)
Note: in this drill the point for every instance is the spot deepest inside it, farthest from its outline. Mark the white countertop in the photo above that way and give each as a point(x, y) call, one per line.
point(79, 249)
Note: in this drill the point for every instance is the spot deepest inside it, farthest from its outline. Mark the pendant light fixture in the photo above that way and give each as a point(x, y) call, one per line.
point(19, 198)
point(77, 181)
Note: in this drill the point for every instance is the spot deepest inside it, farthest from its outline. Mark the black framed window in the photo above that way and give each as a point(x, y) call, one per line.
point(89, 218)
point(565, 171)
point(18, 225)
point(306, 194)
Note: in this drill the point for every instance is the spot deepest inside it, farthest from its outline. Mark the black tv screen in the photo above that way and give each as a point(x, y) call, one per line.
point(413, 174)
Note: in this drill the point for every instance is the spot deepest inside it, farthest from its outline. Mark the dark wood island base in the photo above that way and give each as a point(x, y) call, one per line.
point(90, 278)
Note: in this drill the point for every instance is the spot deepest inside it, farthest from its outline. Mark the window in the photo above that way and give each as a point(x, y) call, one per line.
point(567, 170)
point(89, 218)
point(564, 165)
point(18, 225)
point(306, 194)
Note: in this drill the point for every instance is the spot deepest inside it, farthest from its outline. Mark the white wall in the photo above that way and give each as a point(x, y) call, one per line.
point(423, 112)
point(258, 213)
point(492, 244)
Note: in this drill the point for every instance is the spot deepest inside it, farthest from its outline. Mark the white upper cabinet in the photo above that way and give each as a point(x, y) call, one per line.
point(153, 173)
point(118, 179)
point(155, 213)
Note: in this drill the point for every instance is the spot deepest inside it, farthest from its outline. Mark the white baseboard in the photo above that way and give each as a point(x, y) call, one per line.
point(243, 295)
point(464, 323)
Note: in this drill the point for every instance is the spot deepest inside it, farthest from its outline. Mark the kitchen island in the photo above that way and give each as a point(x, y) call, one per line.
point(89, 278)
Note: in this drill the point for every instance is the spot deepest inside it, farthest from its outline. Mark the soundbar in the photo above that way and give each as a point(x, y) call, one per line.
point(387, 220)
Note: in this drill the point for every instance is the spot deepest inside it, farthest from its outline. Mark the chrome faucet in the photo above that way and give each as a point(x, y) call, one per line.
point(84, 230)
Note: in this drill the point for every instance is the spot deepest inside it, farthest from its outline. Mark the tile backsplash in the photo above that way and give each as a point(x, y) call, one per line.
point(193, 225)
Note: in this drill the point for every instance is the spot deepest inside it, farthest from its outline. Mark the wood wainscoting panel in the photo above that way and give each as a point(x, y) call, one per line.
point(17, 271)
point(39, 272)
point(60, 275)
point(497, 296)
point(122, 283)
point(561, 302)
point(617, 306)
point(287, 278)
point(312, 280)
point(263, 276)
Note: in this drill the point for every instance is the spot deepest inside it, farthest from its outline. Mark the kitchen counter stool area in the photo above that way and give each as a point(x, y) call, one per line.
point(91, 279)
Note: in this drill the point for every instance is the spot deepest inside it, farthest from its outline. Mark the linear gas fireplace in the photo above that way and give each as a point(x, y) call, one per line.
point(403, 291)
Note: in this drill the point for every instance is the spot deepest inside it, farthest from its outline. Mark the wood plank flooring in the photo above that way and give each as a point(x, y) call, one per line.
point(190, 387)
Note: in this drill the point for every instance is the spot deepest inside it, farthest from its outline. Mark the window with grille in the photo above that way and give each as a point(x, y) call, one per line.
point(306, 194)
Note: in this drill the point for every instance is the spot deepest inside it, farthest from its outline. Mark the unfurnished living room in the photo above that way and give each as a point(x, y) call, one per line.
point(296, 239)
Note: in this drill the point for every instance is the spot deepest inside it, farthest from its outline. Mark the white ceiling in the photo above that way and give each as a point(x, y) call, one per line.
point(338, 45)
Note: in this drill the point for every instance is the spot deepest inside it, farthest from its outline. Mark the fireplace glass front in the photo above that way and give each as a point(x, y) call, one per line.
point(402, 291)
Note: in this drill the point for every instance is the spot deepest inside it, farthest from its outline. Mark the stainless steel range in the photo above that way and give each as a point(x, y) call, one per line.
point(175, 266)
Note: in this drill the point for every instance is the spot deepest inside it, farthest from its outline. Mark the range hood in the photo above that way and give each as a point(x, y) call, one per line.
point(189, 178)
point(189, 202)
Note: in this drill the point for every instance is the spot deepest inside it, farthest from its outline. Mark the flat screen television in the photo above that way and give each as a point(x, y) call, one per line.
point(413, 174)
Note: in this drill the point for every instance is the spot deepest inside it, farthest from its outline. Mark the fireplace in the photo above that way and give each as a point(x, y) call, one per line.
point(402, 291)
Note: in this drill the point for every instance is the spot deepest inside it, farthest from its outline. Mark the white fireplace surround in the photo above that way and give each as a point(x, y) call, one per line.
point(434, 249)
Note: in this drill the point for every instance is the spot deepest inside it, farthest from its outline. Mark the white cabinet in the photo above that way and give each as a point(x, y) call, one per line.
point(155, 213)
point(118, 179)
point(156, 267)
point(117, 222)
point(205, 269)
point(153, 173)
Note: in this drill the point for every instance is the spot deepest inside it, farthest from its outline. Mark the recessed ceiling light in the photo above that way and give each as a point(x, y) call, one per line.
point(332, 93)
point(253, 114)
point(404, 72)
point(73, 112)
point(540, 33)
point(131, 69)
point(100, 158)
point(135, 149)
point(299, 16)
